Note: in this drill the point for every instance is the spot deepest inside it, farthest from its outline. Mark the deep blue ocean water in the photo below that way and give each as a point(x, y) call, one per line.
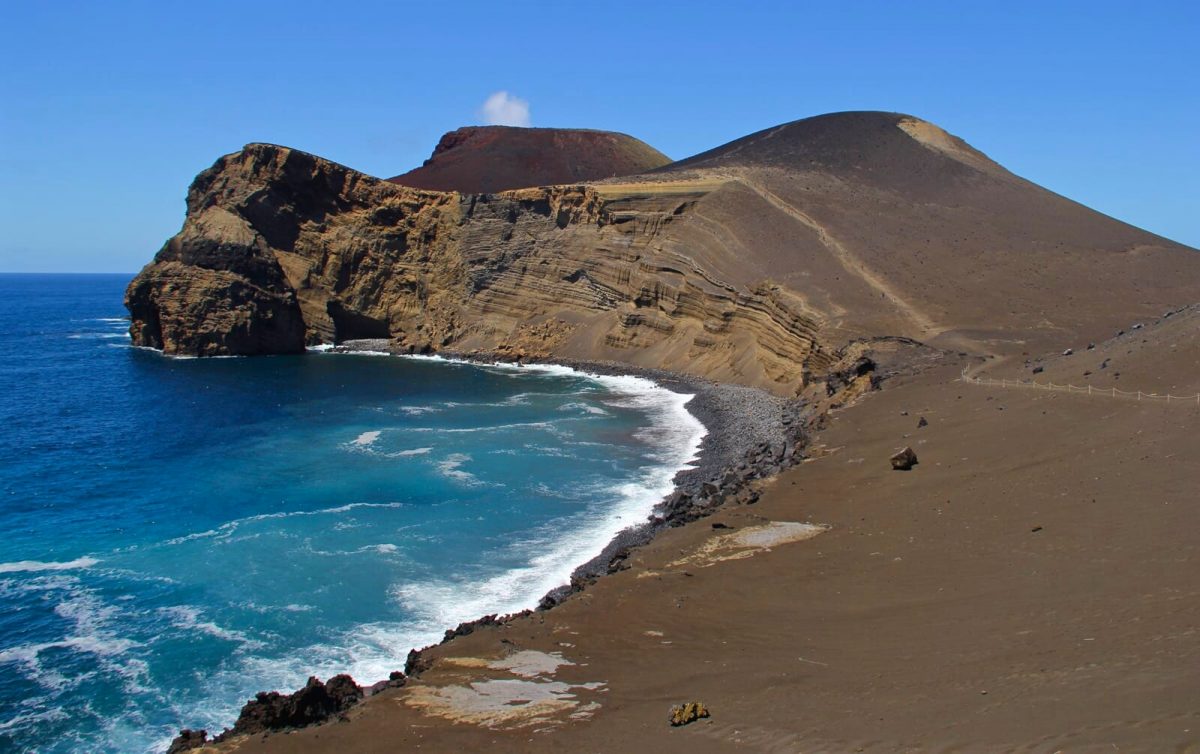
point(177, 534)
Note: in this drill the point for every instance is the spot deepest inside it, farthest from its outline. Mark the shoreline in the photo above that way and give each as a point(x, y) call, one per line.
point(748, 431)
point(749, 434)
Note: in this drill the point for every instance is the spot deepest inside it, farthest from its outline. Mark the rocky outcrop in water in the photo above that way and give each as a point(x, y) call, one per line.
point(271, 711)
point(315, 703)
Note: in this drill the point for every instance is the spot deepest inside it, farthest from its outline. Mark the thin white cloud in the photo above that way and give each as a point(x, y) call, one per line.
point(503, 109)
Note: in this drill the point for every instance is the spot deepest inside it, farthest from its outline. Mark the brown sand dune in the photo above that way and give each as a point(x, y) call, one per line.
point(486, 159)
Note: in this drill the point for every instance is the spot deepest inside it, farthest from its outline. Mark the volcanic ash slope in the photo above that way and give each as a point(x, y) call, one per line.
point(753, 263)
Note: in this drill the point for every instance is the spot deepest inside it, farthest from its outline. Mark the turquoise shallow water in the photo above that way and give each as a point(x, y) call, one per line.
point(176, 534)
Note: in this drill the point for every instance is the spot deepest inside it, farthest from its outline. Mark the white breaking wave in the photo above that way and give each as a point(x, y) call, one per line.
point(38, 565)
point(227, 529)
point(91, 632)
point(584, 407)
point(187, 617)
point(383, 549)
point(419, 410)
point(19, 721)
point(366, 439)
point(451, 468)
point(550, 555)
point(492, 428)
point(409, 452)
point(369, 651)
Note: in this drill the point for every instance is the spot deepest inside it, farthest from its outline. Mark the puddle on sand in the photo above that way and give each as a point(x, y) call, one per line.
point(748, 542)
point(505, 703)
point(532, 697)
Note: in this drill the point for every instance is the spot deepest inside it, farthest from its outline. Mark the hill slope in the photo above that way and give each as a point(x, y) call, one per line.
point(486, 159)
point(752, 263)
point(912, 231)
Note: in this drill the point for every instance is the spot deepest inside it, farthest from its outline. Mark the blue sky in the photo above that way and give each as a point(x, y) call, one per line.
point(107, 110)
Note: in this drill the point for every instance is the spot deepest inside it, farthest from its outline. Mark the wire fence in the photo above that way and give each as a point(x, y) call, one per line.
point(1110, 392)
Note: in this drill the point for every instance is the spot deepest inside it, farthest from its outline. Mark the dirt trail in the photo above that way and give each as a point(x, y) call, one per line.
point(853, 265)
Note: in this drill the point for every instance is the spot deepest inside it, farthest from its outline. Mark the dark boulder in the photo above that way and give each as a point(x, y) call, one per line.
point(904, 460)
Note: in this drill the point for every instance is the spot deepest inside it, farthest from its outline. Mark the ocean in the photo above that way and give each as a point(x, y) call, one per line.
point(178, 534)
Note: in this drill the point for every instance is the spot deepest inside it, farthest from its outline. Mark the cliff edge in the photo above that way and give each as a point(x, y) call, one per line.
point(754, 263)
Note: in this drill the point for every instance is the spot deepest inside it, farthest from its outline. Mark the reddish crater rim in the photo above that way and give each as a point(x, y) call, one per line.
point(485, 159)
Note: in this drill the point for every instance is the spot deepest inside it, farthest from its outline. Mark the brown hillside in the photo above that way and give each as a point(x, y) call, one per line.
point(486, 159)
point(888, 224)
point(752, 263)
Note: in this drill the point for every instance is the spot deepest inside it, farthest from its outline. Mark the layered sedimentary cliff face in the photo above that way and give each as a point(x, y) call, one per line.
point(754, 263)
point(282, 249)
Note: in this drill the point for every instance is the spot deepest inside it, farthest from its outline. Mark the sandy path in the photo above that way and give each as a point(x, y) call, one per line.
point(926, 327)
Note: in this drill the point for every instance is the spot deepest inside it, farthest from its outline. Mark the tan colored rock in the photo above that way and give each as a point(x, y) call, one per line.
point(688, 713)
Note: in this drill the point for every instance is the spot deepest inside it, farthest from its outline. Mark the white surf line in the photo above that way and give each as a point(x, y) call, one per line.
point(22, 566)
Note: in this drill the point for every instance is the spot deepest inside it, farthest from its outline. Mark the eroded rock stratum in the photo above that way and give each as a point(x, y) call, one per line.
point(281, 249)
point(755, 263)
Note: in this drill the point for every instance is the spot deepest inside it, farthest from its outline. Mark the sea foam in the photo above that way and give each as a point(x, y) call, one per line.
point(38, 565)
point(552, 554)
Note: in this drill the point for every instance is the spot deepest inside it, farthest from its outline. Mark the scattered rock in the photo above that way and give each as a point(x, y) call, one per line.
point(904, 460)
point(1036, 529)
point(688, 713)
point(415, 664)
point(468, 627)
point(1039, 370)
point(838, 380)
point(395, 680)
point(1068, 352)
point(315, 703)
point(1091, 346)
point(922, 423)
point(720, 525)
point(187, 740)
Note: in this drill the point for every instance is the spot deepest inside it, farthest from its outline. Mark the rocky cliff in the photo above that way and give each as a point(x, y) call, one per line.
point(753, 263)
